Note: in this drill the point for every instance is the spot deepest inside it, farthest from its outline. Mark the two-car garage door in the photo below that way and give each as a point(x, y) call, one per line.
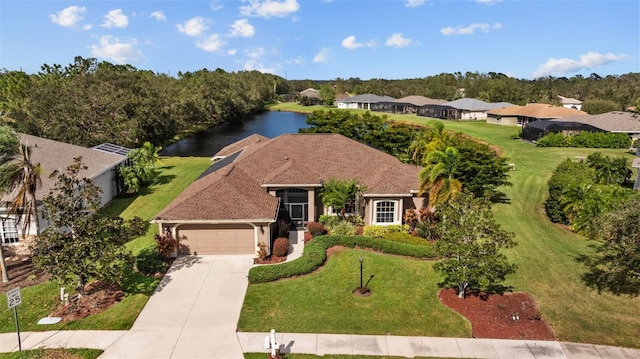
point(216, 239)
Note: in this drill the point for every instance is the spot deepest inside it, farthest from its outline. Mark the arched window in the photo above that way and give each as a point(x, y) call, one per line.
point(385, 212)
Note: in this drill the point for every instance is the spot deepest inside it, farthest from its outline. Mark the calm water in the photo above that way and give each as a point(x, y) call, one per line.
point(269, 124)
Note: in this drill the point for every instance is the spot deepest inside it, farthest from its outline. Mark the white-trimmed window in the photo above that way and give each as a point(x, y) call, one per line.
point(349, 208)
point(9, 231)
point(385, 212)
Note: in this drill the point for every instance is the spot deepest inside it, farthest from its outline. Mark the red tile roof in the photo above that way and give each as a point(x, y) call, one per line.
point(239, 191)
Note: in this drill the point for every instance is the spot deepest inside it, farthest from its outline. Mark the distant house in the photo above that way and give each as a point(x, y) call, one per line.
point(533, 131)
point(366, 102)
point(102, 162)
point(309, 97)
point(636, 164)
point(410, 104)
point(614, 121)
point(520, 115)
point(461, 109)
point(569, 102)
point(236, 203)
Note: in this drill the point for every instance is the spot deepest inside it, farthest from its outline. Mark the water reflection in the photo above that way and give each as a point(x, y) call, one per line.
point(207, 143)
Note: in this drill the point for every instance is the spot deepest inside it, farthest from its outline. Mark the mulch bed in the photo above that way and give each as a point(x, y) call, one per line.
point(98, 297)
point(492, 316)
point(269, 260)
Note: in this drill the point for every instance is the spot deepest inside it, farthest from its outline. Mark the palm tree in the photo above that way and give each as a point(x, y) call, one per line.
point(20, 177)
point(437, 176)
point(338, 194)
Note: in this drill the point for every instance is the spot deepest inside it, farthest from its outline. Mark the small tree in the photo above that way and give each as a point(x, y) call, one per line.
point(327, 94)
point(80, 243)
point(470, 246)
point(341, 194)
point(143, 167)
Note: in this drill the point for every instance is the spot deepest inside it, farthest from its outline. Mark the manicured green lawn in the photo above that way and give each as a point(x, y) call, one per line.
point(52, 353)
point(176, 173)
point(403, 301)
point(546, 253)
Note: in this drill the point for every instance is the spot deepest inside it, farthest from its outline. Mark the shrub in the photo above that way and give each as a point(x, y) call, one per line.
point(280, 247)
point(315, 254)
point(282, 228)
point(568, 174)
point(328, 220)
point(316, 228)
point(166, 244)
point(343, 228)
point(403, 237)
point(307, 237)
point(553, 140)
point(374, 231)
point(149, 262)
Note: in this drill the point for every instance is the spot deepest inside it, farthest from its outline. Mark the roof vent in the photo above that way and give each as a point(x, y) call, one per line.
point(285, 158)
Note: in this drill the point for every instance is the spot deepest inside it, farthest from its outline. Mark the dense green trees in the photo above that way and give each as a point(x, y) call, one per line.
point(90, 102)
point(437, 177)
point(81, 244)
point(621, 90)
point(327, 94)
point(598, 106)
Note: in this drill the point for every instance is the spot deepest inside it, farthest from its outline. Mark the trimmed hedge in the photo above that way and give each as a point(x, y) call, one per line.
point(315, 253)
point(404, 237)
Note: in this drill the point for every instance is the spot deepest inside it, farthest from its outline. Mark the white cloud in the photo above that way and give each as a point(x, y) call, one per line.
point(586, 61)
point(350, 43)
point(231, 52)
point(115, 18)
point(321, 56)
point(117, 50)
point(398, 40)
point(414, 3)
point(87, 27)
point(469, 30)
point(270, 8)
point(68, 17)
point(296, 61)
point(193, 27)
point(159, 15)
point(242, 28)
point(212, 43)
point(254, 65)
point(488, 2)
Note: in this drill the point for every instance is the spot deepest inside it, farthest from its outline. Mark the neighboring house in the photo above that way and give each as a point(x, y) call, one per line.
point(311, 95)
point(461, 109)
point(614, 121)
point(410, 104)
point(235, 204)
point(569, 102)
point(533, 131)
point(520, 115)
point(366, 102)
point(101, 161)
point(636, 164)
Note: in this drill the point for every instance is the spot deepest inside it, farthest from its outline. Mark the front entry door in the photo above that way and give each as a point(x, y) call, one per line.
point(296, 211)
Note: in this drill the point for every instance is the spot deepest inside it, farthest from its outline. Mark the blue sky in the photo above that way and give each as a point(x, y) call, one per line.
point(324, 40)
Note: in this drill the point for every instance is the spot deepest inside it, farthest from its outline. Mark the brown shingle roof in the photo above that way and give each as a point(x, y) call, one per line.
point(54, 155)
point(420, 100)
point(238, 191)
point(536, 110)
point(615, 121)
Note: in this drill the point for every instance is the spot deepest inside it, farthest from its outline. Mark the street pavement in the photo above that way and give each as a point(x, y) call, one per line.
point(195, 309)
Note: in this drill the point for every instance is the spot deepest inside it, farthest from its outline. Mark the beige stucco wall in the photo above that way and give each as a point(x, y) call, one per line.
point(503, 121)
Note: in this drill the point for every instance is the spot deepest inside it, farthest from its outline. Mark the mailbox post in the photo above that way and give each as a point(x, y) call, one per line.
point(270, 344)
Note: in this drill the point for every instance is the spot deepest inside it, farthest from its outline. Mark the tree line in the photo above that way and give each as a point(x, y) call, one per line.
point(599, 94)
point(89, 102)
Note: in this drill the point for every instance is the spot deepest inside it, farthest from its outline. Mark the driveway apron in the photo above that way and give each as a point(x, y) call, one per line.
point(192, 314)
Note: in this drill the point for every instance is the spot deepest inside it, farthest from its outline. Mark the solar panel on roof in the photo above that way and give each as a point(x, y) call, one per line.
point(220, 163)
point(111, 148)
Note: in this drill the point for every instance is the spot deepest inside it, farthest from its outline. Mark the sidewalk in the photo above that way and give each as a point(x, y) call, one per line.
point(322, 344)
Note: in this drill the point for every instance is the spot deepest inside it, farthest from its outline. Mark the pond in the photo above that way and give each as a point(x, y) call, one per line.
point(207, 143)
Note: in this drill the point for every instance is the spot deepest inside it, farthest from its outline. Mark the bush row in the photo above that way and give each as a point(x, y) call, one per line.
point(586, 139)
point(315, 253)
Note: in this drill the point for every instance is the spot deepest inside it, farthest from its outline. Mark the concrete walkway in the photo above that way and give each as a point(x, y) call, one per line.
point(194, 312)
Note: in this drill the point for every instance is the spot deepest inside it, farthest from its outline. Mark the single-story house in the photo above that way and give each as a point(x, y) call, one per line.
point(461, 109)
point(311, 96)
point(102, 162)
point(533, 131)
point(520, 115)
point(236, 203)
point(614, 121)
point(569, 102)
point(410, 104)
point(366, 102)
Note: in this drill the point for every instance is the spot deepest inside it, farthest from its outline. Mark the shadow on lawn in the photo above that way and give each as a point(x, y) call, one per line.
point(179, 263)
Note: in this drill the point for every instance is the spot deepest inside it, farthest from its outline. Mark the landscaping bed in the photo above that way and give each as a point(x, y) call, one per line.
point(508, 316)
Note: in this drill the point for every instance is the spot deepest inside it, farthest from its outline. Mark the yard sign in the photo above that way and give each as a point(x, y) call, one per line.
point(13, 300)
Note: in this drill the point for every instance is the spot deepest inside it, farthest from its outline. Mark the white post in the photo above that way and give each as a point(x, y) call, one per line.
point(273, 343)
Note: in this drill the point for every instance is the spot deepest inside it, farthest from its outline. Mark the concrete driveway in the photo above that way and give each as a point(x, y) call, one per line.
point(192, 314)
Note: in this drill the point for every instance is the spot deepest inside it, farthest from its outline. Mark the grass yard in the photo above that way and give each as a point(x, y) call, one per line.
point(53, 353)
point(546, 253)
point(39, 300)
point(404, 300)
